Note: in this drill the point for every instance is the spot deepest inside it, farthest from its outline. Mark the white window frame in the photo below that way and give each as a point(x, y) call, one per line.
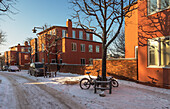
point(72, 46)
point(80, 34)
point(158, 7)
point(90, 48)
point(91, 61)
point(74, 34)
point(82, 47)
point(87, 36)
point(97, 49)
point(22, 49)
point(64, 33)
point(158, 65)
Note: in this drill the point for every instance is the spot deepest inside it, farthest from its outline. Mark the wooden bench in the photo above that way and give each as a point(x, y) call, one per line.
point(98, 86)
point(51, 74)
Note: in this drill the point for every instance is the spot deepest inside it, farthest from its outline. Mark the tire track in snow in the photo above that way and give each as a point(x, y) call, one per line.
point(59, 96)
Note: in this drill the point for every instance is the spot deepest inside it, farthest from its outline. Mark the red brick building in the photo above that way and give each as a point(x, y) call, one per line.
point(18, 55)
point(67, 45)
point(147, 38)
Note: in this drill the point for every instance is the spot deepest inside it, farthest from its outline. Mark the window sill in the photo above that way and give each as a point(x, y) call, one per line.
point(158, 10)
point(163, 67)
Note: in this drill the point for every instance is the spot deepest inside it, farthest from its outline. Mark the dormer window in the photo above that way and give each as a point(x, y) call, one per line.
point(87, 36)
point(80, 34)
point(63, 33)
point(73, 34)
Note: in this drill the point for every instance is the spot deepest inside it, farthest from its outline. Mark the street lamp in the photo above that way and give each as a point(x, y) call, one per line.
point(34, 30)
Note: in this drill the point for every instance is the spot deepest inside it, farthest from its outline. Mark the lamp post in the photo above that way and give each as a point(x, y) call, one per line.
point(34, 30)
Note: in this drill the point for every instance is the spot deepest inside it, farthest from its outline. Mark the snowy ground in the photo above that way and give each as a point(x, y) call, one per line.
point(128, 95)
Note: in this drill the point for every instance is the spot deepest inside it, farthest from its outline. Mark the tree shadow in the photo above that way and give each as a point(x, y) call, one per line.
point(152, 26)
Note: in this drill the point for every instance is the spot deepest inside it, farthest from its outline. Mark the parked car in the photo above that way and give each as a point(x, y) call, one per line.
point(36, 69)
point(5, 68)
point(13, 68)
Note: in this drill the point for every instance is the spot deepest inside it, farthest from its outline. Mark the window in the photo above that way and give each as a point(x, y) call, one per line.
point(42, 59)
point(61, 61)
point(22, 49)
point(164, 4)
point(91, 61)
point(53, 61)
point(83, 61)
point(26, 57)
point(97, 49)
point(50, 31)
point(159, 51)
point(153, 52)
point(136, 52)
point(54, 32)
point(29, 49)
point(74, 47)
point(42, 47)
point(63, 33)
point(80, 34)
point(73, 34)
point(90, 48)
point(87, 36)
point(156, 5)
point(82, 47)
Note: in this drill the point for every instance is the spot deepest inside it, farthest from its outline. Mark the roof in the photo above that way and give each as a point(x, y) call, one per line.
point(56, 27)
point(17, 46)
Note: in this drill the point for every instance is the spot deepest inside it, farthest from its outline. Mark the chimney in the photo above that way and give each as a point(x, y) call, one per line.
point(19, 47)
point(26, 43)
point(69, 27)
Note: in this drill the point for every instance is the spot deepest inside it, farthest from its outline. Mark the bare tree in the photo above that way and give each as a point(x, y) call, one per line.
point(7, 7)
point(28, 39)
point(51, 46)
point(2, 61)
point(49, 43)
point(2, 37)
point(104, 17)
point(117, 48)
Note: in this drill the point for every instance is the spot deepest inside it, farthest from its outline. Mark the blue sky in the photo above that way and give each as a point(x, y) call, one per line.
point(33, 13)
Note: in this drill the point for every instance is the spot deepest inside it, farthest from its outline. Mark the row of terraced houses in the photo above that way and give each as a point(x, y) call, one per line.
point(147, 41)
point(61, 44)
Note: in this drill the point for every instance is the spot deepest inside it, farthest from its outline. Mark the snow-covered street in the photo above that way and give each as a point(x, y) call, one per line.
point(19, 90)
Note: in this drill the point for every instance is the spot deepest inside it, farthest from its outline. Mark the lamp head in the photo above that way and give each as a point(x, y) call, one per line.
point(34, 30)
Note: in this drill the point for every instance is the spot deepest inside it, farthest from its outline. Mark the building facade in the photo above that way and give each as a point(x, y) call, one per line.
point(149, 27)
point(18, 55)
point(68, 45)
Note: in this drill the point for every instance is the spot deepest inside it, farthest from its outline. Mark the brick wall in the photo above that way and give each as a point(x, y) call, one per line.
point(24, 67)
point(118, 67)
point(76, 69)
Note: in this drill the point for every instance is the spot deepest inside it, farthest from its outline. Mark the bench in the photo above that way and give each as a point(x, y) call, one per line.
point(50, 74)
point(97, 86)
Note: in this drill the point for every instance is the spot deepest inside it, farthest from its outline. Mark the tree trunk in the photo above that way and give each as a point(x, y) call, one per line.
point(104, 52)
